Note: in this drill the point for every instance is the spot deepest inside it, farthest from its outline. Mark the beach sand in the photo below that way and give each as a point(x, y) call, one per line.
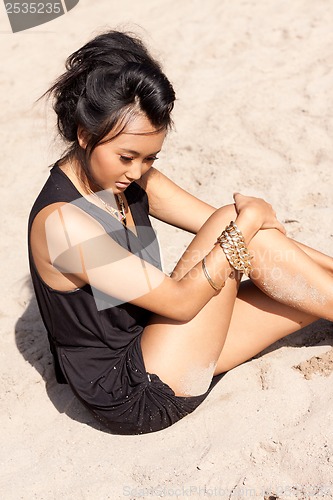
point(254, 81)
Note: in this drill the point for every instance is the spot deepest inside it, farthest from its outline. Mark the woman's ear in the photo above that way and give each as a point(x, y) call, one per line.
point(82, 137)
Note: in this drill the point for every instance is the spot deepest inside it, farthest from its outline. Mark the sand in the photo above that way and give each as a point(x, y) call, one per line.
point(254, 80)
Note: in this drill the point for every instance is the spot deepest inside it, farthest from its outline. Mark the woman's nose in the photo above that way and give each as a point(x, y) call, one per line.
point(135, 171)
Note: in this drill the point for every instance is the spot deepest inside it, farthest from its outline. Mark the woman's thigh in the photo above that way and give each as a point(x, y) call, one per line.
point(257, 321)
point(231, 328)
point(220, 337)
point(184, 355)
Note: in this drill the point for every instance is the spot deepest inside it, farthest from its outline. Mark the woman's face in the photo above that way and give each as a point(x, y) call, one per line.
point(115, 164)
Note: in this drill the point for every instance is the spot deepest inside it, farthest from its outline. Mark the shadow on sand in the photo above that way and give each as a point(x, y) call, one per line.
point(31, 340)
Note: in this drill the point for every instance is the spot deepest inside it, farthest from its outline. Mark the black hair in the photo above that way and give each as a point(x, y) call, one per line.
point(107, 82)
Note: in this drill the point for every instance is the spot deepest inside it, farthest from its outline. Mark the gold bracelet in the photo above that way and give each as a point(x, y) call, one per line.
point(233, 245)
point(208, 277)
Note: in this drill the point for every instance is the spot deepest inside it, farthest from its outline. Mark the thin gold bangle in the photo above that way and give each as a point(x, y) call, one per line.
point(208, 277)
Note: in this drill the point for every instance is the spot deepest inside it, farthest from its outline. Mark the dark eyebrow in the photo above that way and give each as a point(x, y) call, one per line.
point(132, 152)
point(129, 151)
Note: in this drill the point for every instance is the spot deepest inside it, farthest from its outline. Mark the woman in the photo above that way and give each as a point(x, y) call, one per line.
point(139, 348)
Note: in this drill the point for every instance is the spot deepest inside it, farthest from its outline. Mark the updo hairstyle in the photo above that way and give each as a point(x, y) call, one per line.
point(107, 82)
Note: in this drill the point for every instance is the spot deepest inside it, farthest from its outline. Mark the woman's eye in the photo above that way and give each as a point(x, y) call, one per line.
point(128, 159)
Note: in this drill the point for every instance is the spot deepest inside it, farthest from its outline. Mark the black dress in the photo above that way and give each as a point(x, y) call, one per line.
point(95, 339)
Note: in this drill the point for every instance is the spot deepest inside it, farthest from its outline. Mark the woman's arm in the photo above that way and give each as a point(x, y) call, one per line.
point(170, 203)
point(76, 245)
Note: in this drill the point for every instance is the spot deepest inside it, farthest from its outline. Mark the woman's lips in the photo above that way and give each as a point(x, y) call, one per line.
point(122, 185)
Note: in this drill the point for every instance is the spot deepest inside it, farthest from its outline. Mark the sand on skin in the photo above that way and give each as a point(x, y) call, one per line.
point(254, 114)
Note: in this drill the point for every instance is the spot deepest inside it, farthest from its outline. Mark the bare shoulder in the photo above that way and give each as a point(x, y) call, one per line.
point(55, 230)
point(150, 179)
point(38, 231)
point(172, 204)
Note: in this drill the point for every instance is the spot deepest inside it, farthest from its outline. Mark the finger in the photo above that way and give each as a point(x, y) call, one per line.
point(275, 225)
point(281, 228)
point(236, 196)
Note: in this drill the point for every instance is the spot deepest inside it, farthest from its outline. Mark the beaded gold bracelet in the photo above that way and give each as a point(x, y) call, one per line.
point(233, 245)
point(208, 277)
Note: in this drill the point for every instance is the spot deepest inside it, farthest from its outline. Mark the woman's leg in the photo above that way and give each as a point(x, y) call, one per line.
point(257, 322)
point(323, 260)
point(186, 355)
point(286, 273)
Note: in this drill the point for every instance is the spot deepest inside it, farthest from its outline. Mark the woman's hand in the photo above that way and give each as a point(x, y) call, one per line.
point(257, 212)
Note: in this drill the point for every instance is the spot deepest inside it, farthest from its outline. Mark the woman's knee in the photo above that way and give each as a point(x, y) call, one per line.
point(224, 215)
point(217, 223)
point(205, 239)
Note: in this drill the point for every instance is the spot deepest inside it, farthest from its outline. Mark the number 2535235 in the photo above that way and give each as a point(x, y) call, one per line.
point(33, 8)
